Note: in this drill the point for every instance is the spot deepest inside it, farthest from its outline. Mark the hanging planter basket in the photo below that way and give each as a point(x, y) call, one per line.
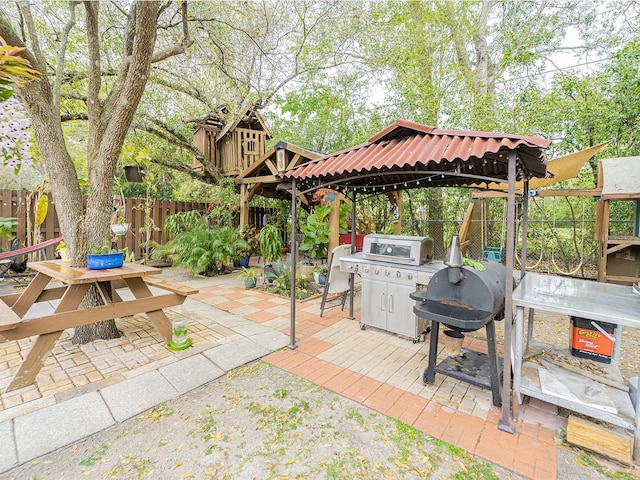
point(134, 174)
point(119, 229)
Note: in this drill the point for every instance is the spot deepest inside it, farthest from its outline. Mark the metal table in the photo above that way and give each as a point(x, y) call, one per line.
point(582, 298)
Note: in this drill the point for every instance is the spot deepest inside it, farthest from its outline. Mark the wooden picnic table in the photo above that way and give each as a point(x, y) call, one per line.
point(75, 282)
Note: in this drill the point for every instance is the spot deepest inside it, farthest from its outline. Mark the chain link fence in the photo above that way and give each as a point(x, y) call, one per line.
point(560, 233)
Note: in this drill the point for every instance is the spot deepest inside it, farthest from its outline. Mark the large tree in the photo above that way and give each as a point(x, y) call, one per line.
point(110, 105)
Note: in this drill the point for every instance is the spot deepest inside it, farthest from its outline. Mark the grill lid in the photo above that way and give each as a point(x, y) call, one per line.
point(469, 304)
point(404, 249)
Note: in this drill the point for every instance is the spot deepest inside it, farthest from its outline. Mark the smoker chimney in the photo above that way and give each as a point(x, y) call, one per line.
point(453, 260)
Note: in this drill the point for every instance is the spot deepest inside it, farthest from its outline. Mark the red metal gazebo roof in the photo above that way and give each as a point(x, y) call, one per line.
point(410, 155)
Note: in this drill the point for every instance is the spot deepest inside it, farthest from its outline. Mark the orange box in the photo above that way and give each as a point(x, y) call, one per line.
point(587, 341)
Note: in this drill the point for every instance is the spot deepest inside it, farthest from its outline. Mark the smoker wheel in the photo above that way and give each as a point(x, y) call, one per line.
point(423, 375)
point(362, 326)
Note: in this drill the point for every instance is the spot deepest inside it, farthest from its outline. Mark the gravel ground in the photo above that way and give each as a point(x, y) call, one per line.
point(261, 422)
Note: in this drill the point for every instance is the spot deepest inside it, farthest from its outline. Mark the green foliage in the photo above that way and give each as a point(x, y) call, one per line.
point(271, 242)
point(8, 226)
point(106, 249)
point(181, 222)
point(251, 272)
point(224, 203)
point(205, 250)
point(316, 233)
point(103, 249)
point(279, 279)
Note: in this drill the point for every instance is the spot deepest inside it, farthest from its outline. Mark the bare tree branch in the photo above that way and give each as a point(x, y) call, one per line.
point(57, 83)
point(94, 109)
point(25, 11)
point(185, 43)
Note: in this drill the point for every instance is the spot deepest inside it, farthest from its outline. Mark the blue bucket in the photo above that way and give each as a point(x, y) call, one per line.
point(105, 260)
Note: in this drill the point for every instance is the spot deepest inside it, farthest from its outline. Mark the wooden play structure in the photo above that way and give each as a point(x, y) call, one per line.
point(237, 148)
point(618, 180)
point(229, 147)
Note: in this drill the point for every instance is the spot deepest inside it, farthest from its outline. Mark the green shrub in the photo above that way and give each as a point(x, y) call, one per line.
point(207, 250)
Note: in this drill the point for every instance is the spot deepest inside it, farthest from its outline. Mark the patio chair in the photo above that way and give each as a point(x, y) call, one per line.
point(338, 283)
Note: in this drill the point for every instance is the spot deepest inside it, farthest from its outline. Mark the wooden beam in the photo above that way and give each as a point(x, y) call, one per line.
point(304, 152)
point(599, 439)
point(262, 179)
point(294, 161)
point(334, 222)
point(618, 247)
point(271, 166)
point(464, 228)
point(258, 164)
point(244, 204)
point(255, 188)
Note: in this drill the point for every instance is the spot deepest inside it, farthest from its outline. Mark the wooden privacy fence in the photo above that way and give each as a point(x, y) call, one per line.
point(14, 204)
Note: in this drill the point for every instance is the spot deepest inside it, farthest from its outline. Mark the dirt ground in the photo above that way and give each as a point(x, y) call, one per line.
point(261, 422)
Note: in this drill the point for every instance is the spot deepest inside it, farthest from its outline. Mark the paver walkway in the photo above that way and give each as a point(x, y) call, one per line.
point(382, 371)
point(375, 368)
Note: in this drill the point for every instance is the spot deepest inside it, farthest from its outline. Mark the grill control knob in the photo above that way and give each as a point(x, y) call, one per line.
point(409, 276)
point(398, 274)
point(387, 273)
point(366, 269)
point(376, 271)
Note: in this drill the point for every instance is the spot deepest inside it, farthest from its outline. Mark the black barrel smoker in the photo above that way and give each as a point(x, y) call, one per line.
point(464, 299)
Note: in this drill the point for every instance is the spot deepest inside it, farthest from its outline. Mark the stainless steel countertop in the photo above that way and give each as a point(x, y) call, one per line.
point(606, 302)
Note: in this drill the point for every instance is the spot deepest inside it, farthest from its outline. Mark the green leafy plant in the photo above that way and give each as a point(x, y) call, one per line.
point(103, 249)
point(316, 233)
point(175, 225)
point(8, 226)
point(249, 275)
point(271, 243)
point(106, 249)
point(181, 222)
point(207, 251)
point(250, 272)
point(279, 278)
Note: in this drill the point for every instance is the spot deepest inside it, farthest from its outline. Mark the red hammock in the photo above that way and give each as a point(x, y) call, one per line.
point(26, 250)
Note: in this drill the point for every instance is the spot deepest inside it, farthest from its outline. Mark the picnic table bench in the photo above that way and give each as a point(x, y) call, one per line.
point(75, 283)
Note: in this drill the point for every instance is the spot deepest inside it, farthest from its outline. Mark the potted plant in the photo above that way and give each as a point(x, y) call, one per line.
point(249, 275)
point(252, 236)
point(104, 257)
point(320, 274)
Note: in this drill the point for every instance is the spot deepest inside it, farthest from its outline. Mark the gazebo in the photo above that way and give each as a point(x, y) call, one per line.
point(408, 155)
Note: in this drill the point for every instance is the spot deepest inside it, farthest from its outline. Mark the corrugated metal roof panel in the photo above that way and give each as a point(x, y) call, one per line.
point(412, 150)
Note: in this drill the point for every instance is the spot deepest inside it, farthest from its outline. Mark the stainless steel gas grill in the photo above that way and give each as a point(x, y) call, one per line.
point(392, 267)
point(464, 299)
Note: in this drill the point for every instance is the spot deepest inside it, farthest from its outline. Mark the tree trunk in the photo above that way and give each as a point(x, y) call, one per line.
point(106, 330)
point(109, 120)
